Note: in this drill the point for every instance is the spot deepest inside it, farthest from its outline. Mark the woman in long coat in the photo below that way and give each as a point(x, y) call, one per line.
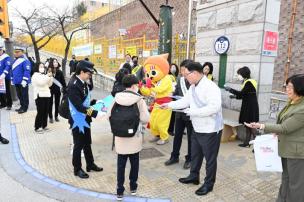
point(250, 107)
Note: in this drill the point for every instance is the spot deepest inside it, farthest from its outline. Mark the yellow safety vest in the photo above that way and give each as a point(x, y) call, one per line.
point(254, 83)
point(210, 77)
point(135, 69)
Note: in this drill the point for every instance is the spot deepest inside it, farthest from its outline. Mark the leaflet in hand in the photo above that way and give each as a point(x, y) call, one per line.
point(104, 104)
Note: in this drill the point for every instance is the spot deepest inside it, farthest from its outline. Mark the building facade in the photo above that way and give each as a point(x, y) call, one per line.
point(246, 24)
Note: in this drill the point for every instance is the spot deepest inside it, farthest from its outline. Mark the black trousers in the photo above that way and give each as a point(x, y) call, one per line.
point(172, 123)
point(23, 96)
point(82, 142)
point(42, 104)
point(205, 145)
point(6, 99)
point(180, 125)
point(55, 96)
point(121, 166)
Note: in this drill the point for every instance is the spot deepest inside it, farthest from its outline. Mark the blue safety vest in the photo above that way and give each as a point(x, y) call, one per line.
point(21, 70)
point(5, 65)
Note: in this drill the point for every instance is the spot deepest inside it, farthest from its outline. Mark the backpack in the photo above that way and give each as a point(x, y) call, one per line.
point(124, 120)
point(63, 108)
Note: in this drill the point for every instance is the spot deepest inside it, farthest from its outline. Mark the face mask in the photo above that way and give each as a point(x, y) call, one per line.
point(41, 70)
point(240, 78)
point(173, 70)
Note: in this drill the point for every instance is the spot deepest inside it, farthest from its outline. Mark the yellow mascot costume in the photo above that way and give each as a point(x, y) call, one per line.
point(158, 84)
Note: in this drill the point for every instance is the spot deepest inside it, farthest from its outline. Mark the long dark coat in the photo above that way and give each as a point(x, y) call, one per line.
point(250, 107)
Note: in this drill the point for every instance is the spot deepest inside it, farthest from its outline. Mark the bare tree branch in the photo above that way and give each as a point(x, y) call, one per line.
point(38, 26)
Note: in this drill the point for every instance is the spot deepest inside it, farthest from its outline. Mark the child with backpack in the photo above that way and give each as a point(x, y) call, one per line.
point(126, 116)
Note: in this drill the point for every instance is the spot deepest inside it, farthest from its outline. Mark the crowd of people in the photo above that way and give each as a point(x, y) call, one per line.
point(186, 101)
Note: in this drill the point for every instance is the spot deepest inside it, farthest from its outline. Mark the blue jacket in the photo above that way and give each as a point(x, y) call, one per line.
point(5, 65)
point(21, 70)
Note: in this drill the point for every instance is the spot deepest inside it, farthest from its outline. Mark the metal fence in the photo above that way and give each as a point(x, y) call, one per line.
point(102, 50)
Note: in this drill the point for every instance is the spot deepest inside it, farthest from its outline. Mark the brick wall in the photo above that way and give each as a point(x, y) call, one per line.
point(297, 59)
point(138, 22)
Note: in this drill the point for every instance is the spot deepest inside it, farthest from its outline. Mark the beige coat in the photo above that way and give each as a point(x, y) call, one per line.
point(131, 145)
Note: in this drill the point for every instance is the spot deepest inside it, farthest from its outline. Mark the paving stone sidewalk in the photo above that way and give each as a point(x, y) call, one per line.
point(49, 153)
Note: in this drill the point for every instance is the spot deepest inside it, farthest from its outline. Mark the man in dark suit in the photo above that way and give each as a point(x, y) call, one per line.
point(80, 119)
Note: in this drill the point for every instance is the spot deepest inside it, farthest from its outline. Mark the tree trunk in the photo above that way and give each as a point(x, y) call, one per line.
point(65, 59)
point(37, 54)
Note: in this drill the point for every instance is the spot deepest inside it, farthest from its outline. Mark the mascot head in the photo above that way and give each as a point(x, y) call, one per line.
point(156, 67)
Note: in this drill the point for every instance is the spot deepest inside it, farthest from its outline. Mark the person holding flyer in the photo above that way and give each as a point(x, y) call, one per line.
point(290, 131)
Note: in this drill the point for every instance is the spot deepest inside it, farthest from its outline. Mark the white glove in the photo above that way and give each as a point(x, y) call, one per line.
point(23, 83)
point(2, 76)
point(12, 83)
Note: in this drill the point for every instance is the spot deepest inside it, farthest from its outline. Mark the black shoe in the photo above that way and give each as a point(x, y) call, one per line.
point(51, 120)
point(8, 108)
point(80, 173)
point(3, 140)
point(94, 167)
point(56, 119)
point(17, 110)
point(203, 190)
point(187, 165)
point(244, 145)
point(171, 161)
point(2, 106)
point(189, 180)
point(21, 111)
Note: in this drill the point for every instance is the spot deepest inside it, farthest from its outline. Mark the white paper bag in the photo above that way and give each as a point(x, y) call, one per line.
point(266, 153)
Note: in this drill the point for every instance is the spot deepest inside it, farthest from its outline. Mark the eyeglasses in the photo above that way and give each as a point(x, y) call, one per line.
point(186, 75)
point(290, 87)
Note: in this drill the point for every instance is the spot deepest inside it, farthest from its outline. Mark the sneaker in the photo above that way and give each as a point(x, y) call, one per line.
point(39, 130)
point(162, 142)
point(154, 139)
point(119, 197)
point(133, 192)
